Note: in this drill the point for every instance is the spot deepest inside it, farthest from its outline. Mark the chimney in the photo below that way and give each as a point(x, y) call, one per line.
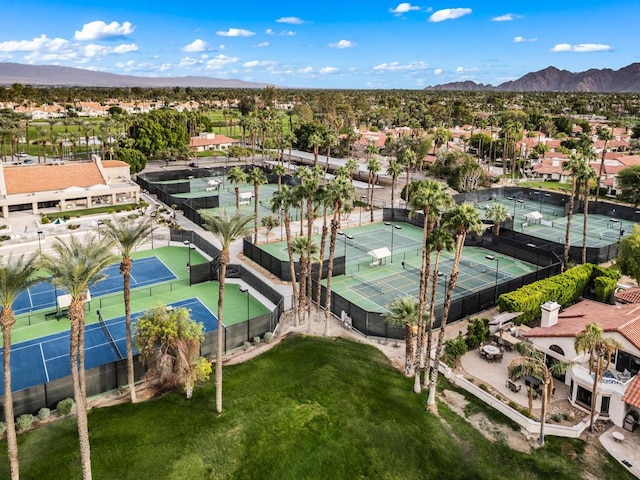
point(549, 314)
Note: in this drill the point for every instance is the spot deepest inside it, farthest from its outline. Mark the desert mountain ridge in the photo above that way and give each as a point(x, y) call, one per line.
point(57, 76)
point(552, 79)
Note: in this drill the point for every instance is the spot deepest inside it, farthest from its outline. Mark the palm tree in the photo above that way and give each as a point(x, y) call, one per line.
point(279, 171)
point(394, 169)
point(439, 240)
point(409, 160)
point(600, 350)
point(315, 140)
point(16, 275)
point(76, 266)
point(289, 138)
point(127, 234)
point(531, 362)
point(498, 213)
point(237, 176)
point(460, 220)
point(584, 176)
point(352, 166)
point(307, 252)
point(574, 164)
point(323, 200)
point(330, 140)
point(341, 192)
point(404, 312)
point(227, 229)
point(373, 166)
point(604, 135)
point(281, 203)
point(257, 177)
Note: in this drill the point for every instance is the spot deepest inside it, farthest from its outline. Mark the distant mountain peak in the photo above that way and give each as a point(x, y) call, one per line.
point(54, 75)
point(553, 79)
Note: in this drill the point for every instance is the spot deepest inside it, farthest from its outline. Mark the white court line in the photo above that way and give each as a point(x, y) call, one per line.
point(44, 362)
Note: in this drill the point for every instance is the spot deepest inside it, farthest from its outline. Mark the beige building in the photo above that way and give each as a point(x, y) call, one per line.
point(65, 187)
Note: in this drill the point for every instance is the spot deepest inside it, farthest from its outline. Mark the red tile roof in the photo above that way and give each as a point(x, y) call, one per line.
point(630, 295)
point(632, 395)
point(624, 319)
point(45, 178)
point(217, 140)
point(114, 164)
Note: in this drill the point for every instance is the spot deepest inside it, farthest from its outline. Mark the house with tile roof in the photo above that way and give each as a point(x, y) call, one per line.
point(211, 141)
point(41, 187)
point(618, 394)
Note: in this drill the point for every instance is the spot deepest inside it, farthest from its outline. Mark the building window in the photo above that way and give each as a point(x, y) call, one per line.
point(604, 407)
point(626, 361)
point(583, 397)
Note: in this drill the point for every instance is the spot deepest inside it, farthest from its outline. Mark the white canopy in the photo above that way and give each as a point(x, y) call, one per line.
point(379, 253)
point(65, 300)
point(533, 216)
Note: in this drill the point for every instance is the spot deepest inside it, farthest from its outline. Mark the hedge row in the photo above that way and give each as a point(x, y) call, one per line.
point(565, 289)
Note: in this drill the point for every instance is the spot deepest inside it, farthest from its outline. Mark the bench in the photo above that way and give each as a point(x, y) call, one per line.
point(243, 202)
point(211, 189)
point(515, 388)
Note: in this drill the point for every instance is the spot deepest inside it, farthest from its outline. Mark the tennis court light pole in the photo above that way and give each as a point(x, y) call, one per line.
point(39, 241)
point(245, 290)
point(495, 290)
point(395, 227)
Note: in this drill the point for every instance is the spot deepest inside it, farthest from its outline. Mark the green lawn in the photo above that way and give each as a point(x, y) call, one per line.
point(309, 408)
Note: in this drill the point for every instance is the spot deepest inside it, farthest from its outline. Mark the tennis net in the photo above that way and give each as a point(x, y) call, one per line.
point(107, 333)
point(373, 286)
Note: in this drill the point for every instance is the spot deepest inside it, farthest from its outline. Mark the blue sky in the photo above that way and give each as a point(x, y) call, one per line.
point(327, 44)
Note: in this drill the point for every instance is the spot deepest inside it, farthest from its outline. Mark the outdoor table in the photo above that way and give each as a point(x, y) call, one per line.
point(532, 381)
point(618, 437)
point(490, 349)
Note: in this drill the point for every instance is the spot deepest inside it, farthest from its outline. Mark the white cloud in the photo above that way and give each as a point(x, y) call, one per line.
point(259, 63)
point(262, 45)
point(522, 39)
point(438, 71)
point(507, 17)
point(397, 66)
point(449, 14)
point(99, 30)
point(126, 48)
point(306, 70)
point(197, 45)
point(403, 8)
point(581, 47)
point(188, 62)
point(459, 70)
point(342, 44)
point(220, 61)
point(325, 70)
point(236, 32)
point(290, 20)
point(38, 43)
point(284, 33)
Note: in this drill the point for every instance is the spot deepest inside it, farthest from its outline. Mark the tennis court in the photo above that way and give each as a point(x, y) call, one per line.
point(375, 288)
point(144, 271)
point(41, 360)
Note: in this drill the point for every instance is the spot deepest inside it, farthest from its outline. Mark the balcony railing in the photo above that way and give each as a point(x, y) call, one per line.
point(606, 385)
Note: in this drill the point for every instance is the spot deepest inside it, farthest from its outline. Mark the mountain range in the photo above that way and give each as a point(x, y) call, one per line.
point(57, 76)
point(552, 79)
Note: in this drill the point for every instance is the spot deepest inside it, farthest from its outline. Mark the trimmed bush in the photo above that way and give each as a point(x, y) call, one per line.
point(256, 341)
point(268, 337)
point(605, 287)
point(65, 406)
point(454, 349)
point(24, 422)
point(44, 413)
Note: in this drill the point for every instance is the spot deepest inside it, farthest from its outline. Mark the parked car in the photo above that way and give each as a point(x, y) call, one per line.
point(194, 164)
point(29, 161)
point(20, 155)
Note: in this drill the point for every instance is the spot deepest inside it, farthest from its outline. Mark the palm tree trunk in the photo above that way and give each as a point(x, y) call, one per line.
point(255, 213)
point(431, 401)
point(302, 295)
point(594, 391)
point(237, 190)
point(546, 394)
point(604, 151)
point(323, 240)
point(126, 268)
point(425, 272)
point(393, 191)
point(335, 223)
point(373, 182)
point(224, 255)
point(567, 237)
point(585, 215)
point(292, 268)
point(7, 322)
point(76, 352)
point(432, 317)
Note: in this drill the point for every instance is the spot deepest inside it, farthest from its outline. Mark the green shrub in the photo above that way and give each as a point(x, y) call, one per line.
point(256, 341)
point(4, 237)
point(44, 413)
point(3, 428)
point(24, 422)
point(44, 220)
point(268, 337)
point(477, 332)
point(455, 348)
point(73, 226)
point(556, 417)
point(3, 227)
point(514, 405)
point(66, 217)
point(65, 406)
point(605, 287)
point(484, 386)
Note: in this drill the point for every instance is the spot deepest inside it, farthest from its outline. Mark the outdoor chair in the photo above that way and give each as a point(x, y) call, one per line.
point(515, 388)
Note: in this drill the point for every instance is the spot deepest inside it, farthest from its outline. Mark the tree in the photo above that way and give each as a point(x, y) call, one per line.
point(16, 275)
point(629, 254)
point(403, 312)
point(585, 176)
point(394, 169)
point(604, 135)
point(76, 266)
point(373, 166)
point(226, 229)
point(307, 252)
point(341, 193)
point(531, 362)
point(135, 158)
point(459, 220)
point(257, 177)
point(270, 222)
point(629, 183)
point(499, 213)
point(127, 234)
point(574, 164)
point(600, 350)
point(171, 339)
point(237, 176)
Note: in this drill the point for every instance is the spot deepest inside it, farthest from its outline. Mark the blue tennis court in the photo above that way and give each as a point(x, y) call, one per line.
point(44, 359)
point(145, 271)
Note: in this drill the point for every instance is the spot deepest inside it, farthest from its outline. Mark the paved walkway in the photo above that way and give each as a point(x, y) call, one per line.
point(626, 452)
